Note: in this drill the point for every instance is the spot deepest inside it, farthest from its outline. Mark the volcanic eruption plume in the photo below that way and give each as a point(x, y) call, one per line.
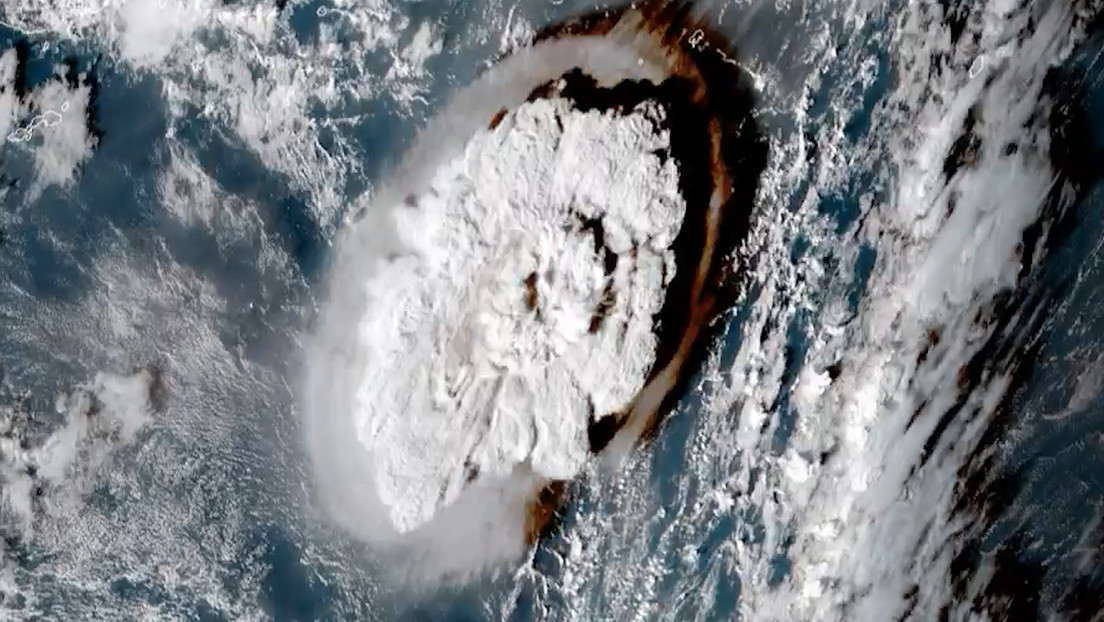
point(533, 285)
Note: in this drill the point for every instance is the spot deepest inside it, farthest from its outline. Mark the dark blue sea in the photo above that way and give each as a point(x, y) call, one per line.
point(187, 248)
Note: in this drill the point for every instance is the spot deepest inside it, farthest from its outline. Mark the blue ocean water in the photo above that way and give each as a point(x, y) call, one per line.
point(49, 246)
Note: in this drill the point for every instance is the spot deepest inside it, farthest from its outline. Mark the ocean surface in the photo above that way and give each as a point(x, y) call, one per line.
point(903, 418)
